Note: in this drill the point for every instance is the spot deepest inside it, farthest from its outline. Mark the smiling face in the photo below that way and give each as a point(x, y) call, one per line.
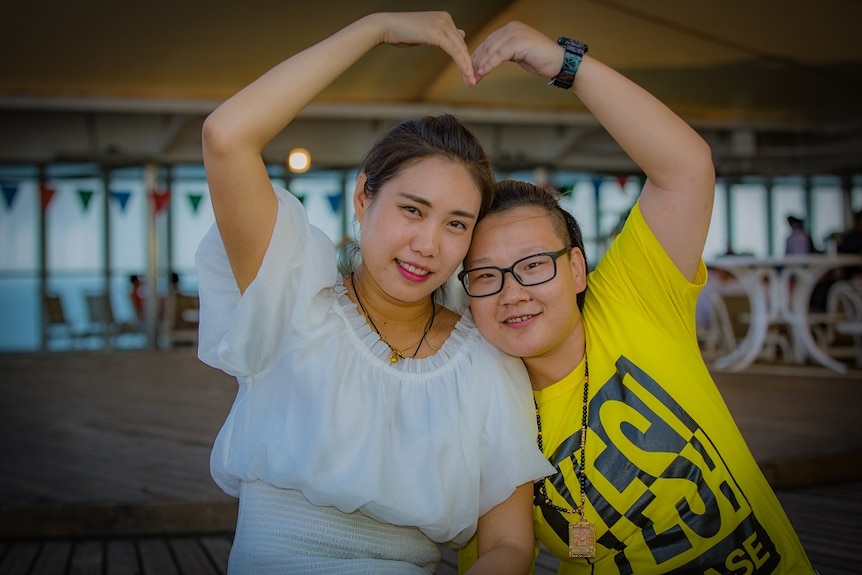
point(540, 322)
point(417, 227)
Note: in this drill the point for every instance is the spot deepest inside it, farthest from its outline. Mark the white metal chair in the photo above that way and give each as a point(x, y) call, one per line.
point(844, 302)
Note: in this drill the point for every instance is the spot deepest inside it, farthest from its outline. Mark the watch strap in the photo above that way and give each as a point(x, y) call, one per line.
point(574, 53)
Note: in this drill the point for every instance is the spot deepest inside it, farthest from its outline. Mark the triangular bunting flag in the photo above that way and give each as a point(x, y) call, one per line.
point(122, 198)
point(567, 189)
point(597, 184)
point(10, 190)
point(46, 194)
point(621, 180)
point(85, 196)
point(195, 201)
point(161, 199)
point(300, 198)
point(335, 202)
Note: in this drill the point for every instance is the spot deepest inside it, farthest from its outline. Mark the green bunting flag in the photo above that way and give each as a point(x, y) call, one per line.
point(85, 196)
point(567, 189)
point(195, 201)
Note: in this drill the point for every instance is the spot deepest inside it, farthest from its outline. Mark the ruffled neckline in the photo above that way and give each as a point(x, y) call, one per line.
point(368, 341)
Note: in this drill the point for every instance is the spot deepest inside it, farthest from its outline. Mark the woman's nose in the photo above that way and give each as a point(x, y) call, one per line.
point(427, 241)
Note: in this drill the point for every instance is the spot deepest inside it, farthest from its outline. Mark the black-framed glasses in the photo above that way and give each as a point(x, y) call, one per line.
point(529, 271)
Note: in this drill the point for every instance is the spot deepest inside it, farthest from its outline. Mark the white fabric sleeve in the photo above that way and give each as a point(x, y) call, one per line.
point(240, 333)
point(510, 455)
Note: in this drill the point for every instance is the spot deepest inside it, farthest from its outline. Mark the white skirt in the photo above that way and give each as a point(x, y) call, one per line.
point(278, 531)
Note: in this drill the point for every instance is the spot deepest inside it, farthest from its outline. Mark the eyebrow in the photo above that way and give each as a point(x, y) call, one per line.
point(424, 202)
point(526, 251)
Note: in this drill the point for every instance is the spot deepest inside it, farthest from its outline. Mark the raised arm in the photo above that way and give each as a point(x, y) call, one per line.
point(235, 134)
point(678, 194)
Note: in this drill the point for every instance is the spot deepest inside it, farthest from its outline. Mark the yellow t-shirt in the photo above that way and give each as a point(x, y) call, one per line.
point(671, 485)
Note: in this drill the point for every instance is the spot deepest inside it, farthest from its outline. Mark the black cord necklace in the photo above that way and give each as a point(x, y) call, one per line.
point(396, 352)
point(582, 535)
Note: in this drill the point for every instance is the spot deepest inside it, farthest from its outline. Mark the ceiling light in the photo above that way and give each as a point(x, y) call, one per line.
point(299, 160)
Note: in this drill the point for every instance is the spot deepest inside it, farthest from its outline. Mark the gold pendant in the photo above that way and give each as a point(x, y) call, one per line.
point(394, 357)
point(582, 539)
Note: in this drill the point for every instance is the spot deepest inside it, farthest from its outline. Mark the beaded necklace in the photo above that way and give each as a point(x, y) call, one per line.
point(582, 535)
point(396, 352)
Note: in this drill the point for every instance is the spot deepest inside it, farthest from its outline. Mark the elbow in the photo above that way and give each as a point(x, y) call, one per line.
point(226, 137)
point(215, 136)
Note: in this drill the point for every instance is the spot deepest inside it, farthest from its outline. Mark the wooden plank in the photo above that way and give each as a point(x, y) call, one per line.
point(191, 557)
point(53, 558)
point(87, 558)
point(19, 558)
point(218, 549)
point(828, 520)
point(122, 557)
point(783, 474)
point(156, 558)
point(121, 519)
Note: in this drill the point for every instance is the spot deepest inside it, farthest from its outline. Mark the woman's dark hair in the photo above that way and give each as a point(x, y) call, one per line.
point(411, 141)
point(432, 136)
point(511, 194)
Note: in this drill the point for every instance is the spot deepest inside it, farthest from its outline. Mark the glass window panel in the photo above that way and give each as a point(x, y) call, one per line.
point(748, 211)
point(191, 218)
point(788, 200)
point(581, 203)
point(128, 227)
point(75, 226)
point(323, 199)
point(19, 228)
point(828, 213)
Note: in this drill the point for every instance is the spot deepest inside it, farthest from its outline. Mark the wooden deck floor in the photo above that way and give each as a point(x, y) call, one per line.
point(106, 461)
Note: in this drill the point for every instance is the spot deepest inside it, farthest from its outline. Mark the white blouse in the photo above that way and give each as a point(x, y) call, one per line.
point(432, 443)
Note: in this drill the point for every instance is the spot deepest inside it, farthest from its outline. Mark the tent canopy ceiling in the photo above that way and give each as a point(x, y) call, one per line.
point(774, 85)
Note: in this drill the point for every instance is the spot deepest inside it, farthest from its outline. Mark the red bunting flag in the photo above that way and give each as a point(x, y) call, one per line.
point(46, 194)
point(161, 199)
point(621, 180)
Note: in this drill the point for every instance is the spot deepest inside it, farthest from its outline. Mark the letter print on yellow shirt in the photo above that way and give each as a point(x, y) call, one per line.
point(661, 495)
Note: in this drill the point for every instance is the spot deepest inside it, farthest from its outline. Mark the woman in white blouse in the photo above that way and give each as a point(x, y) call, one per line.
point(370, 422)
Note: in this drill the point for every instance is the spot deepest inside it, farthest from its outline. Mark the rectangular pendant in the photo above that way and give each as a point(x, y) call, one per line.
point(582, 539)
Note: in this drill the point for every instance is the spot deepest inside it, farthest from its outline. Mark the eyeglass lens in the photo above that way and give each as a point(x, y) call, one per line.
point(529, 271)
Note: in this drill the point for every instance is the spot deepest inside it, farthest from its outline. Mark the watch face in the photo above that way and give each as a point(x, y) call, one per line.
point(578, 47)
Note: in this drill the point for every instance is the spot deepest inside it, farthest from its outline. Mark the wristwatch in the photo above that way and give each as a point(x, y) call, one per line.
point(571, 61)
